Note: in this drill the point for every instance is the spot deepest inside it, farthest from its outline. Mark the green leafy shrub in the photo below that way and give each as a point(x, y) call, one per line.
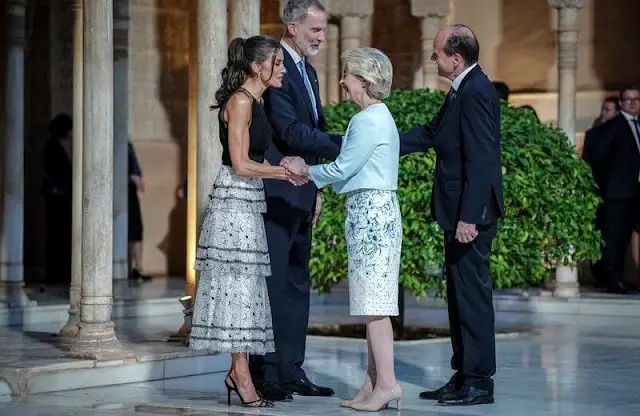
point(549, 196)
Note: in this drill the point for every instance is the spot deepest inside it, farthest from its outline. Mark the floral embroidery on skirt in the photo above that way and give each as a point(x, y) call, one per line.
point(374, 241)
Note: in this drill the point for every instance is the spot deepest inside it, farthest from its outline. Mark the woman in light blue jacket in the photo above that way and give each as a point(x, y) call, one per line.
point(367, 172)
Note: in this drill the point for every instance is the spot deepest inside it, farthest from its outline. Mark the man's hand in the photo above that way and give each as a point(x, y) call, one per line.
point(316, 214)
point(466, 233)
point(295, 165)
point(138, 182)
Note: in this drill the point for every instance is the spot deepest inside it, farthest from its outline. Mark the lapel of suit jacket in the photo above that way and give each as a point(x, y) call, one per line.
point(313, 77)
point(626, 126)
point(454, 100)
point(296, 77)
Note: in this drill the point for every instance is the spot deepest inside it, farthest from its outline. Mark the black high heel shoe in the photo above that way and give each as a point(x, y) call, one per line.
point(256, 403)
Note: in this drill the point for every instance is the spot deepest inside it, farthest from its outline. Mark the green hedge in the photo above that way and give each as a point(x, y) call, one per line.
point(549, 196)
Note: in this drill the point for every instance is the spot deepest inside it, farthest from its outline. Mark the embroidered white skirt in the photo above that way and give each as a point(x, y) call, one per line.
point(373, 230)
point(232, 312)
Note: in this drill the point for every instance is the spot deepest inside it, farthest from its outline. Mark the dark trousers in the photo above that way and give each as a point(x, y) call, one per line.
point(289, 240)
point(470, 303)
point(134, 216)
point(620, 218)
point(596, 268)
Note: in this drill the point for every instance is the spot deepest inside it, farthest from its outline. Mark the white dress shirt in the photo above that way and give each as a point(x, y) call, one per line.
point(458, 80)
point(634, 129)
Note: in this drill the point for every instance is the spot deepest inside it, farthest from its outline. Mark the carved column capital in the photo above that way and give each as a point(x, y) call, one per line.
point(16, 11)
point(77, 5)
point(430, 8)
point(360, 8)
point(566, 4)
point(120, 28)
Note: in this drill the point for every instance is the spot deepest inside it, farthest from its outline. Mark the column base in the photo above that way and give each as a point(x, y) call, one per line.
point(120, 269)
point(566, 285)
point(97, 342)
point(70, 329)
point(13, 295)
point(182, 336)
point(183, 333)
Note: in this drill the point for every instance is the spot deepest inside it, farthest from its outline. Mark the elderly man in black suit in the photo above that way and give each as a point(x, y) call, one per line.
point(466, 202)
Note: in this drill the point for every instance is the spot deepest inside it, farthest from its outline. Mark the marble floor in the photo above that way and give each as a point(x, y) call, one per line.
point(561, 365)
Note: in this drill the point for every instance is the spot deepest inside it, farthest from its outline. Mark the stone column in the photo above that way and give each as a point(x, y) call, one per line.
point(430, 13)
point(351, 16)
point(96, 336)
point(120, 139)
point(212, 57)
point(204, 150)
point(12, 200)
point(192, 152)
point(333, 65)
point(566, 277)
point(567, 44)
point(70, 329)
point(350, 32)
point(244, 18)
point(319, 62)
point(367, 30)
point(192, 204)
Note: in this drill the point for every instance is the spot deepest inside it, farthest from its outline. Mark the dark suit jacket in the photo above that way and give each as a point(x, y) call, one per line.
point(57, 167)
point(296, 133)
point(134, 166)
point(591, 138)
point(612, 153)
point(466, 137)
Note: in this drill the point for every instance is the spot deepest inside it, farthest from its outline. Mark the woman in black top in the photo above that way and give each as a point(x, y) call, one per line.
point(232, 312)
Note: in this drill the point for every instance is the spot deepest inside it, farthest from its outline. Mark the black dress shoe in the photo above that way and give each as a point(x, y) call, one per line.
point(304, 387)
point(438, 394)
point(467, 396)
point(618, 288)
point(273, 392)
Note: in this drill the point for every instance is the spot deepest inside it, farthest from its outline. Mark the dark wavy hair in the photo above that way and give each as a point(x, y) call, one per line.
point(241, 54)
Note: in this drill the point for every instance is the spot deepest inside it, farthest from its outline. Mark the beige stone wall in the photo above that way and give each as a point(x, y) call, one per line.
point(158, 97)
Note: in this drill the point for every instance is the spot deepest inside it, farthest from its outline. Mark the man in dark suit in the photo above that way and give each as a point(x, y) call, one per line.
point(466, 202)
point(296, 116)
point(610, 109)
point(613, 151)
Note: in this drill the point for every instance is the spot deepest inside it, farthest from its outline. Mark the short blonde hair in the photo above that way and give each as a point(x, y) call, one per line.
point(373, 66)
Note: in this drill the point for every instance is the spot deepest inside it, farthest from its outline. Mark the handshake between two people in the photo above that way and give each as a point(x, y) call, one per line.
point(297, 170)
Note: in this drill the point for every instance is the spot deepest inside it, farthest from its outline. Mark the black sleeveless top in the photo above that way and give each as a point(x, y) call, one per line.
point(259, 132)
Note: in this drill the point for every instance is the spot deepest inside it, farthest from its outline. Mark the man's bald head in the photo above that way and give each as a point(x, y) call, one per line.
point(454, 50)
point(460, 39)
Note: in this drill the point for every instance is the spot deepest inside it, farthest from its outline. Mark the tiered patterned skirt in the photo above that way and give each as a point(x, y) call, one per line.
point(232, 312)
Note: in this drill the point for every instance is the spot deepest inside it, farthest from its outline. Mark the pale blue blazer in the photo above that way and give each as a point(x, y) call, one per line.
point(369, 155)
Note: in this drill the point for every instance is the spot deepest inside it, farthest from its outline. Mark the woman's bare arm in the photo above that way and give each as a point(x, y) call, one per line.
point(238, 116)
